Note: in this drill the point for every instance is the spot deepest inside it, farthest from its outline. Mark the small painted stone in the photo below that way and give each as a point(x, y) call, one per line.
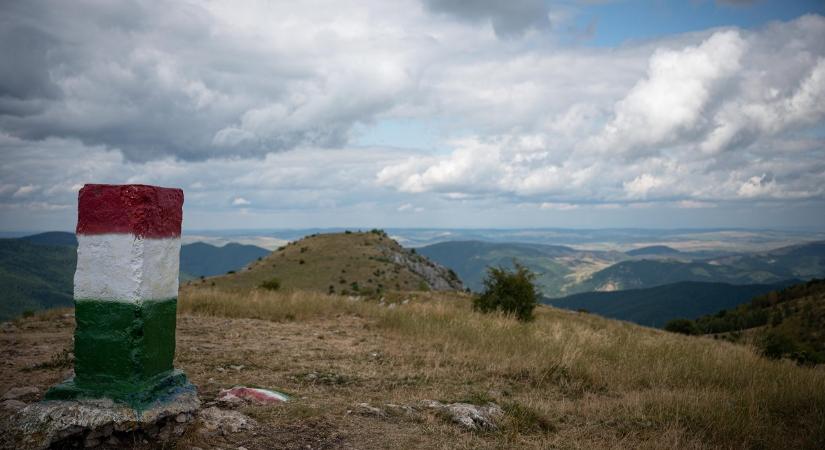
point(253, 395)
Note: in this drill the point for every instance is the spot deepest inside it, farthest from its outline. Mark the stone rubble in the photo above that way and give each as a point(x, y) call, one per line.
point(466, 415)
point(221, 421)
point(471, 417)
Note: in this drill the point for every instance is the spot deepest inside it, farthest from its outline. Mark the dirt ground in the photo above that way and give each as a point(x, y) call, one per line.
point(326, 366)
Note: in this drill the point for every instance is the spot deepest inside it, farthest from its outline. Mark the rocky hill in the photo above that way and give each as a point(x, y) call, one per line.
point(345, 263)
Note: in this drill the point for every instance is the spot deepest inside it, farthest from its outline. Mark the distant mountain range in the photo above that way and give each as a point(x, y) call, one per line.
point(654, 250)
point(200, 259)
point(564, 271)
point(557, 267)
point(37, 271)
point(656, 306)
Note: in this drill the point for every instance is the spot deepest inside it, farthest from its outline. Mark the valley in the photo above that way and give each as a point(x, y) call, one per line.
point(646, 284)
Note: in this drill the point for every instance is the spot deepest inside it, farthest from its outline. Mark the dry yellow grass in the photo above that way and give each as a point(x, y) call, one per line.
point(597, 383)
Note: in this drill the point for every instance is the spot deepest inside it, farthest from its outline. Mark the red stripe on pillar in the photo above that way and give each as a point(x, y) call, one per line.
point(139, 209)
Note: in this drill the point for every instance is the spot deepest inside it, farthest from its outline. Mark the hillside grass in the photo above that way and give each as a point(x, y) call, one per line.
point(566, 379)
point(34, 276)
point(344, 263)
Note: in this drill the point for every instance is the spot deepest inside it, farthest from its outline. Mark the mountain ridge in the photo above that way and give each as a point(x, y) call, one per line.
point(655, 306)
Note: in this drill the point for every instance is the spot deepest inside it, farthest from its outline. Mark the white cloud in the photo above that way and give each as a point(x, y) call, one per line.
point(240, 201)
point(641, 185)
point(669, 102)
point(558, 206)
point(26, 190)
point(711, 112)
point(757, 186)
point(257, 101)
point(694, 204)
point(408, 207)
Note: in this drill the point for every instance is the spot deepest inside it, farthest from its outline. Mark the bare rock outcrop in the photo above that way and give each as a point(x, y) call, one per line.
point(437, 277)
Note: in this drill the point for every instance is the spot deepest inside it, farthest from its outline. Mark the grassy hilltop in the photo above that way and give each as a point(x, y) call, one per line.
point(349, 263)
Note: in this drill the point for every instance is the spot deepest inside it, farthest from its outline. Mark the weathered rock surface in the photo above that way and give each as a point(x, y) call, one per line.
point(471, 417)
point(438, 277)
point(39, 425)
point(216, 420)
point(365, 409)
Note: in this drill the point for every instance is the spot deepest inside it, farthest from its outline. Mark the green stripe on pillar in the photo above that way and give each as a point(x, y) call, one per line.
point(123, 342)
point(123, 351)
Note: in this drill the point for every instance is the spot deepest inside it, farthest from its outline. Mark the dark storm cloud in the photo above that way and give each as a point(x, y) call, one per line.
point(509, 18)
point(24, 74)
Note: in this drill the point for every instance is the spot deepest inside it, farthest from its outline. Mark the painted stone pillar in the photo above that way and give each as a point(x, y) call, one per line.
point(125, 291)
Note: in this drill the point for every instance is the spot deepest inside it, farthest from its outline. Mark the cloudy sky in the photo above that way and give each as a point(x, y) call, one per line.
point(419, 113)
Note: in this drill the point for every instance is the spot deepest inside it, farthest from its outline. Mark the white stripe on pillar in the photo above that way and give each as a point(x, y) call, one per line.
point(124, 268)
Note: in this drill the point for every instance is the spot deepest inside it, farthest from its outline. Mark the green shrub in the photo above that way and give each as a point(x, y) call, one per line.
point(682, 326)
point(512, 292)
point(271, 285)
point(774, 345)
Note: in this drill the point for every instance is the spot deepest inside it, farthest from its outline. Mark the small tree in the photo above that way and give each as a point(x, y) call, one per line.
point(512, 292)
point(683, 326)
point(271, 285)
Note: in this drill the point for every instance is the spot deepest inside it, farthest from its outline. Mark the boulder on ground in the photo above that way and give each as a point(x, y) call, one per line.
point(225, 421)
point(471, 417)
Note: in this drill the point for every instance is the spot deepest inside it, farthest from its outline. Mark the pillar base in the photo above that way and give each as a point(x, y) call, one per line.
point(56, 422)
point(140, 397)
